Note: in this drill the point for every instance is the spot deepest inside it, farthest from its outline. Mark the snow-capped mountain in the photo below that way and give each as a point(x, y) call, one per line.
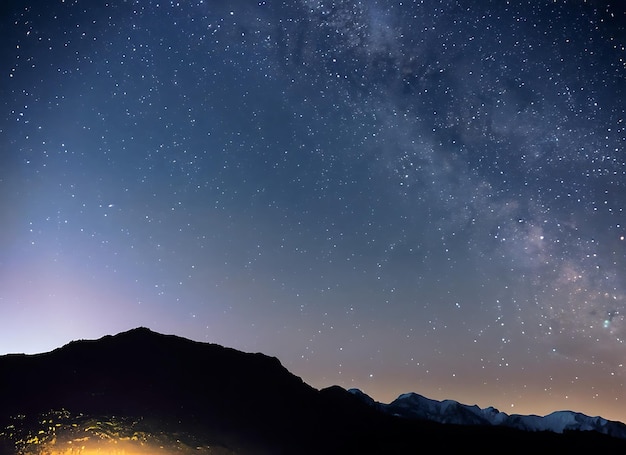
point(415, 406)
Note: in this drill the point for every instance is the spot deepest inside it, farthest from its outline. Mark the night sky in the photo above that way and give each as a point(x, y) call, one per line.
point(423, 196)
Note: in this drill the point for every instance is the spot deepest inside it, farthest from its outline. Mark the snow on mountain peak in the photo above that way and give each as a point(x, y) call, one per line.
point(415, 406)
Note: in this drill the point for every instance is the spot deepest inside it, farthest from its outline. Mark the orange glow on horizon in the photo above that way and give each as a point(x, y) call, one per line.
point(61, 433)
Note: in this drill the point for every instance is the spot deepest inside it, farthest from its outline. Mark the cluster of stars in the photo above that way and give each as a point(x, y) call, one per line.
point(407, 196)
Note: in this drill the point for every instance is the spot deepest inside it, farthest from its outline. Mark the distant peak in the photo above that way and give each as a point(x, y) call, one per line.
point(138, 332)
point(140, 329)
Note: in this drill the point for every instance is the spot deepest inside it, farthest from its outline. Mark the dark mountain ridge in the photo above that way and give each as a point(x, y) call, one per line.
point(415, 406)
point(223, 398)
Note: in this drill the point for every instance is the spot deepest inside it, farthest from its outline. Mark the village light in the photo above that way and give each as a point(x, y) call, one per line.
point(61, 433)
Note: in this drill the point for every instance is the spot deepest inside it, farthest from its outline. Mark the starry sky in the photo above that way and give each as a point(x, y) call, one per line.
point(423, 196)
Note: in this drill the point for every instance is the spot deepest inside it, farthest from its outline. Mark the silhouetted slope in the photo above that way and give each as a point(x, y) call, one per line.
point(247, 402)
point(140, 373)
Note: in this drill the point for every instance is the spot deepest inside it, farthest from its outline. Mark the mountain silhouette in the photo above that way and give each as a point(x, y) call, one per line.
point(140, 387)
point(415, 406)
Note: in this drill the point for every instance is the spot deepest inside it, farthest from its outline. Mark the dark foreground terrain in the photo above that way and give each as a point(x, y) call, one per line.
point(143, 392)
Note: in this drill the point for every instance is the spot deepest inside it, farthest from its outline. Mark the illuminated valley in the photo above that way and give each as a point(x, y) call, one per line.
point(61, 433)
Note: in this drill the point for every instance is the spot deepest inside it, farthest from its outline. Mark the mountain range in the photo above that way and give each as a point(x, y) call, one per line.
point(140, 390)
point(416, 406)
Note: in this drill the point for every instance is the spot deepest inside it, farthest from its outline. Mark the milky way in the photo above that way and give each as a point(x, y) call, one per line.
point(396, 196)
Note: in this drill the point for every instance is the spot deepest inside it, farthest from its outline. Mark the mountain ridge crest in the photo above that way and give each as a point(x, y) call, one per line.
point(415, 406)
